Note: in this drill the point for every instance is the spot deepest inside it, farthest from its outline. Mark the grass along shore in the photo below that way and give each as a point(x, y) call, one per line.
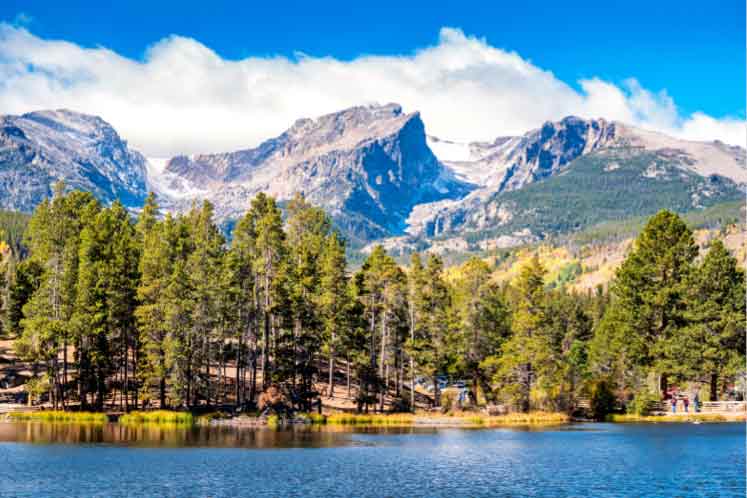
point(166, 417)
point(668, 419)
point(59, 416)
point(430, 419)
point(421, 419)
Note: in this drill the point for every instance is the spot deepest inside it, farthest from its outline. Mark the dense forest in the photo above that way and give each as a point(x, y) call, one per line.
point(163, 310)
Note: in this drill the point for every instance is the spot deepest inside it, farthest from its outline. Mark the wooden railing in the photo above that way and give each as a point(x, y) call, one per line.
point(706, 407)
point(723, 406)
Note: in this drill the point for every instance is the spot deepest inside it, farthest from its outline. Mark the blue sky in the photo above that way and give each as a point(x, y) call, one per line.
point(689, 53)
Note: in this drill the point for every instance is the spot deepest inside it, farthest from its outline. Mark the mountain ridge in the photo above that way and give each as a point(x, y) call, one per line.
point(375, 170)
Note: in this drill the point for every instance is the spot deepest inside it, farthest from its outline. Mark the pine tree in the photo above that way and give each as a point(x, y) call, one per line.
point(53, 237)
point(307, 230)
point(713, 343)
point(204, 268)
point(155, 267)
point(384, 297)
point(242, 266)
point(526, 360)
point(569, 330)
point(105, 303)
point(417, 311)
point(483, 323)
point(333, 300)
point(648, 302)
point(430, 308)
point(268, 261)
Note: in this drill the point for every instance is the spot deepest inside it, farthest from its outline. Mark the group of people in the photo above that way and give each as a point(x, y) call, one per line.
point(674, 398)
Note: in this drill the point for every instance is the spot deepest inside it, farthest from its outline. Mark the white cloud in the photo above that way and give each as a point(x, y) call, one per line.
point(184, 98)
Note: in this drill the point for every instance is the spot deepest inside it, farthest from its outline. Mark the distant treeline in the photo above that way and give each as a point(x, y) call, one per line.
point(161, 310)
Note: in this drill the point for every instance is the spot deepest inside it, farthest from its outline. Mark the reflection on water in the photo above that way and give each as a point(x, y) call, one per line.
point(153, 435)
point(596, 460)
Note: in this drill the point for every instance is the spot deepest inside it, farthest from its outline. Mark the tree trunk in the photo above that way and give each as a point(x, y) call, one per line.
point(527, 388)
point(373, 338)
point(331, 390)
point(135, 359)
point(412, 362)
point(436, 391)
point(266, 345)
point(125, 386)
point(347, 367)
point(162, 392)
point(64, 368)
point(162, 383)
point(238, 368)
point(382, 360)
point(664, 383)
point(714, 387)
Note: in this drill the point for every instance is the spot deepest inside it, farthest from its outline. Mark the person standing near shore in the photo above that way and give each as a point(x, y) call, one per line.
point(674, 403)
point(686, 403)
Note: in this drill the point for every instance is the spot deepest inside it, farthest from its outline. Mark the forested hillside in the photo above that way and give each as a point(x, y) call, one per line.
point(608, 186)
point(162, 311)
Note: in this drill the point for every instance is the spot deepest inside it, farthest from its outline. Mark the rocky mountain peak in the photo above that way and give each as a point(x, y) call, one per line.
point(42, 147)
point(306, 138)
point(367, 165)
point(546, 150)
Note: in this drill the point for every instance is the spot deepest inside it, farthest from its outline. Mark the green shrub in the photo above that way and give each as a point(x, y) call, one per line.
point(602, 400)
point(643, 403)
point(273, 421)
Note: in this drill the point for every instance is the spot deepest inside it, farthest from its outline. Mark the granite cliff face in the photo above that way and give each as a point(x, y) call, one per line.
point(41, 148)
point(368, 166)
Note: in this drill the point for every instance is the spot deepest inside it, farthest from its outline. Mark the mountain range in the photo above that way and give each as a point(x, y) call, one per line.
point(384, 180)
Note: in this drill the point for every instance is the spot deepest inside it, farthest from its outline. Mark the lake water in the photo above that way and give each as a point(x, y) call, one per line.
point(581, 460)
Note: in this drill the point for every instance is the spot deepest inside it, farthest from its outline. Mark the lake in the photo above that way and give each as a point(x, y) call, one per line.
point(580, 460)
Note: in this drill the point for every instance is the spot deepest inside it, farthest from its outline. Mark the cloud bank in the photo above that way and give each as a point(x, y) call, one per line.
point(182, 97)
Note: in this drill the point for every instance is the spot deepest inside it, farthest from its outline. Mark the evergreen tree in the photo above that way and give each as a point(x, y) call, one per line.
point(712, 345)
point(53, 237)
point(432, 345)
point(333, 300)
point(526, 359)
point(268, 261)
point(106, 291)
point(203, 266)
point(483, 322)
point(417, 311)
point(243, 271)
point(570, 328)
point(648, 302)
point(307, 230)
point(383, 292)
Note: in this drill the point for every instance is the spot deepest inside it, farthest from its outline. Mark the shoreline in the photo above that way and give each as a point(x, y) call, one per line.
point(701, 418)
point(435, 421)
